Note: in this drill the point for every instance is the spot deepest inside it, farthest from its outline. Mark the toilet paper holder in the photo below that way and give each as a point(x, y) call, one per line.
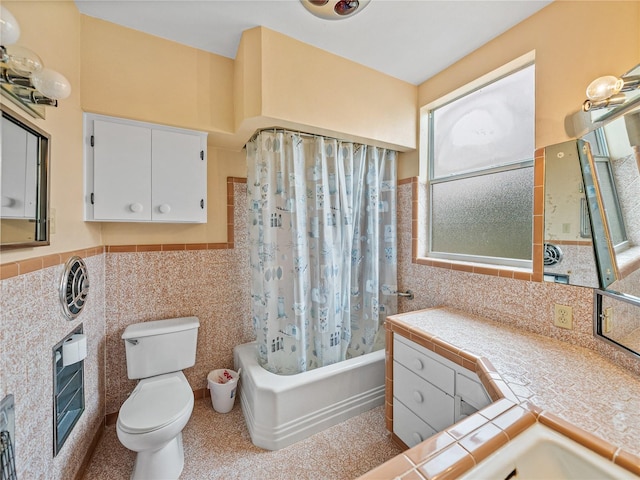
point(74, 349)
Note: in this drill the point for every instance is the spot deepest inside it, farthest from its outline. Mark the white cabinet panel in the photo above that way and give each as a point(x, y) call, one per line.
point(142, 172)
point(122, 167)
point(19, 172)
point(469, 388)
point(423, 364)
point(178, 176)
point(427, 401)
point(409, 428)
point(431, 390)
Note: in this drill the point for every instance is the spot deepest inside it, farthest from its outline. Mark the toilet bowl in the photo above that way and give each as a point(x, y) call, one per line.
point(150, 423)
point(151, 420)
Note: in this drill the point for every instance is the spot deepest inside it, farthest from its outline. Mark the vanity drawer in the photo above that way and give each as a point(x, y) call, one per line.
point(424, 399)
point(471, 391)
point(408, 426)
point(419, 360)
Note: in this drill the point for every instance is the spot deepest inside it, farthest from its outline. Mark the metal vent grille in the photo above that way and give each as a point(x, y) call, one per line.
point(74, 287)
point(585, 222)
point(552, 254)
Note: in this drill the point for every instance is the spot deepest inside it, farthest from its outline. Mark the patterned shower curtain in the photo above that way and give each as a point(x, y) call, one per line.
point(323, 249)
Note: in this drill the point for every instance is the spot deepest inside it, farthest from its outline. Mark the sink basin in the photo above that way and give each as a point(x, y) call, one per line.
point(542, 453)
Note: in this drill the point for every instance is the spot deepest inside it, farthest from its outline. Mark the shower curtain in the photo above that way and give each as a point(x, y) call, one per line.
point(323, 248)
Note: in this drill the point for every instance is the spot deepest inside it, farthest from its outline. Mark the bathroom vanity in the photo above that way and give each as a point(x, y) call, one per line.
point(430, 392)
point(529, 379)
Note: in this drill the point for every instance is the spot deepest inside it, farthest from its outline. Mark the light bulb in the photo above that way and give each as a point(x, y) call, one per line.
point(9, 28)
point(604, 87)
point(346, 7)
point(23, 61)
point(51, 84)
point(334, 9)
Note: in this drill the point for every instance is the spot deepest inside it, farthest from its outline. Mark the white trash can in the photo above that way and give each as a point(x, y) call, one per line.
point(222, 384)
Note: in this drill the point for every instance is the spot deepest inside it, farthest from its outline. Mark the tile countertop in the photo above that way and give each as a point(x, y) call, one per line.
point(530, 378)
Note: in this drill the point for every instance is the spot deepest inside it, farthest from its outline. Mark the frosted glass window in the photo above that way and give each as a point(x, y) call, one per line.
point(481, 149)
point(487, 215)
point(489, 127)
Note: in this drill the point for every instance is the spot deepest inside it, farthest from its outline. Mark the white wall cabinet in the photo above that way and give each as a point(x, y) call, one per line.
point(430, 393)
point(142, 172)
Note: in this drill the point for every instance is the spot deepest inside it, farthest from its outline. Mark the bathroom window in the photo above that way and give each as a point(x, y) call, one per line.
point(480, 146)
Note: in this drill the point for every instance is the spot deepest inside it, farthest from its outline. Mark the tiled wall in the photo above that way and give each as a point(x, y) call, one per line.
point(154, 282)
point(31, 323)
point(128, 284)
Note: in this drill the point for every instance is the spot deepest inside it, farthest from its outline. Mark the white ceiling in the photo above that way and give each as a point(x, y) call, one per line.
point(408, 39)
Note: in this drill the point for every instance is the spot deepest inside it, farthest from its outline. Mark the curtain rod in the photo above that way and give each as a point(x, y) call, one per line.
point(299, 133)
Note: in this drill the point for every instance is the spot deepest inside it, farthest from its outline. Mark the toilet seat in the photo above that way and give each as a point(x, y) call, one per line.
point(155, 403)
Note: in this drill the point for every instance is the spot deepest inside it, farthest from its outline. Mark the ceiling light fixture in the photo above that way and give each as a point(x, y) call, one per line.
point(334, 9)
point(22, 74)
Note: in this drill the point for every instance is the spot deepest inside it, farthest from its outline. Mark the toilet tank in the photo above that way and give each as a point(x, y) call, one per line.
point(160, 346)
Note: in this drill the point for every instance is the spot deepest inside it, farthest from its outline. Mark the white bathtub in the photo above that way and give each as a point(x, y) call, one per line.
point(283, 409)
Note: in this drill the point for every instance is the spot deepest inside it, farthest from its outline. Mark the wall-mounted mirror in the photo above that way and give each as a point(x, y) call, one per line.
point(615, 173)
point(24, 183)
point(568, 246)
point(614, 170)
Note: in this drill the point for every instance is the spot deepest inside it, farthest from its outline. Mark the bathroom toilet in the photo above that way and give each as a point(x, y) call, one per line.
point(151, 420)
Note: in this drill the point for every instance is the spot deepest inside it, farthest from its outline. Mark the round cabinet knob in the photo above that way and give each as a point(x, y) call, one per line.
point(417, 363)
point(136, 207)
point(8, 202)
point(417, 396)
point(417, 437)
point(164, 208)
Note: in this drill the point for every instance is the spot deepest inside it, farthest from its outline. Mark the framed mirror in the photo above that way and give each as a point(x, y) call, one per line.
point(25, 183)
point(568, 245)
point(616, 177)
point(617, 320)
point(577, 250)
point(615, 172)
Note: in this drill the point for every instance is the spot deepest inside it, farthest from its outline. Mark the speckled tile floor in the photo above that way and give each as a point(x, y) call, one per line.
point(217, 446)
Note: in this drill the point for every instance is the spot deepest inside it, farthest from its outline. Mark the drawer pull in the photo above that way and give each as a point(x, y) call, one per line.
point(417, 437)
point(417, 396)
point(136, 207)
point(417, 364)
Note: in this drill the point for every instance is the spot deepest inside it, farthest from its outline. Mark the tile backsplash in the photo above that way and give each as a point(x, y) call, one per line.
point(130, 284)
point(31, 324)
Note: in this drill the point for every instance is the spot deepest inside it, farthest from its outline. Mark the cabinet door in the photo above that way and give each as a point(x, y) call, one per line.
point(19, 172)
point(179, 177)
point(422, 362)
point(122, 172)
point(409, 428)
point(428, 402)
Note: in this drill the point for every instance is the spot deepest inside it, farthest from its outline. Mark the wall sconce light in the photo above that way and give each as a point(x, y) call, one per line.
point(334, 9)
point(22, 73)
point(609, 91)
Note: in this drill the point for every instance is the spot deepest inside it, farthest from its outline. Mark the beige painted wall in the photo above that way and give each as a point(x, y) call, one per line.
point(574, 42)
point(121, 72)
point(52, 30)
point(134, 75)
point(333, 95)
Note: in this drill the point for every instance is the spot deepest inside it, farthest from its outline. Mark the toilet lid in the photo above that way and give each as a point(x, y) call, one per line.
point(156, 402)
